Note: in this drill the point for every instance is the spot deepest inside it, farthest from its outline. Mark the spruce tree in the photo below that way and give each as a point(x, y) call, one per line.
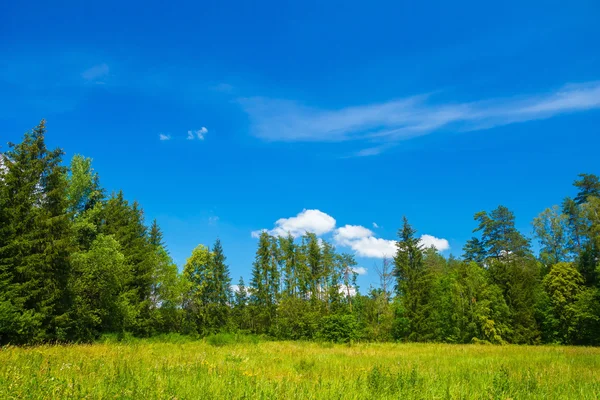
point(34, 252)
point(125, 222)
point(240, 306)
point(412, 281)
point(263, 283)
point(588, 185)
point(220, 287)
point(156, 235)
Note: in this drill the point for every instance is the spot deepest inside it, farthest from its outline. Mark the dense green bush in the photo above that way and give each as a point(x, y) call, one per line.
point(339, 328)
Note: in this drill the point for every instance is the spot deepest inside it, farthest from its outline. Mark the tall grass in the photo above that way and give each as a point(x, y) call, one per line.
point(225, 367)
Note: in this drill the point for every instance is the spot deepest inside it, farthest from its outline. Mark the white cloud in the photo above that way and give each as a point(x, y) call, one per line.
point(375, 225)
point(201, 132)
point(365, 244)
point(384, 124)
point(360, 270)
point(164, 137)
point(198, 133)
point(373, 247)
point(348, 233)
point(345, 290)
point(256, 234)
point(360, 239)
point(235, 288)
point(213, 220)
point(96, 72)
point(313, 221)
point(439, 244)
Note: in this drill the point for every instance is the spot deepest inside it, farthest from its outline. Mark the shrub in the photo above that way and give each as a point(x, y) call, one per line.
point(339, 328)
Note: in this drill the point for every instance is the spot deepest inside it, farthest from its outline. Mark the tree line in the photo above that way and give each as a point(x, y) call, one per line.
point(77, 263)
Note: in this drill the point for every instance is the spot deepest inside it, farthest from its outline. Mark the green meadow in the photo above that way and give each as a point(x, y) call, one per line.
point(225, 368)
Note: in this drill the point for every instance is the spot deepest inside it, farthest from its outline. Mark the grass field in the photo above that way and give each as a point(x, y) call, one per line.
point(295, 370)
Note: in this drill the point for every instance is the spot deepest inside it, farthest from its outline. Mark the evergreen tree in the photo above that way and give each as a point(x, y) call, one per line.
point(240, 306)
point(474, 251)
point(588, 185)
point(289, 259)
point(265, 277)
point(125, 222)
point(499, 237)
point(221, 287)
point(156, 236)
point(413, 282)
point(34, 257)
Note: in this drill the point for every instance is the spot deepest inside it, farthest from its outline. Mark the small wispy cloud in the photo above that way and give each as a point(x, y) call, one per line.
point(360, 270)
point(384, 124)
point(163, 137)
point(96, 73)
point(197, 134)
point(212, 220)
point(375, 225)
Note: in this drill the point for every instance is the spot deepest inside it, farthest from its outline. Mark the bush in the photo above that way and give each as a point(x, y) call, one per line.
point(339, 328)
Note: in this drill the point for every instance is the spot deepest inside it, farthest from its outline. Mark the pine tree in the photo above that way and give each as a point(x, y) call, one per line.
point(240, 306)
point(221, 287)
point(156, 235)
point(314, 261)
point(34, 252)
point(289, 258)
point(412, 280)
point(474, 251)
point(125, 222)
point(588, 185)
point(499, 237)
point(264, 282)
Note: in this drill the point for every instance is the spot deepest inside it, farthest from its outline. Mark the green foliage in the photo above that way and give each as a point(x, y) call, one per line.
point(35, 242)
point(551, 229)
point(207, 290)
point(101, 301)
point(563, 285)
point(264, 284)
point(77, 266)
point(297, 319)
point(589, 186)
point(339, 328)
point(413, 282)
point(83, 190)
point(499, 237)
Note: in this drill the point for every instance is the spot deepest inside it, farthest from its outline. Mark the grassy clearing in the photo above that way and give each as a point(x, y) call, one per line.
point(293, 370)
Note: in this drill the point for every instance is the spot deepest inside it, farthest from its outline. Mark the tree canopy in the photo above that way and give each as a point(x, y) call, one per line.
point(77, 263)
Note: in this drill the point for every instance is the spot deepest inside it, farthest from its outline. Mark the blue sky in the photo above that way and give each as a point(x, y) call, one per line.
point(357, 112)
